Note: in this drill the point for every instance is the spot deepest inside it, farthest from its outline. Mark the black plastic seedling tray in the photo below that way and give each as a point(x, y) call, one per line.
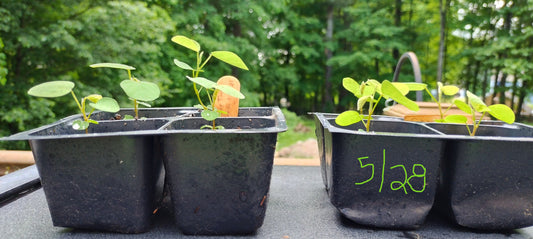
point(485, 180)
point(382, 178)
point(106, 179)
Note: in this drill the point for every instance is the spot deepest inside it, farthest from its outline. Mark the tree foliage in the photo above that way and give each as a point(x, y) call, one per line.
point(296, 50)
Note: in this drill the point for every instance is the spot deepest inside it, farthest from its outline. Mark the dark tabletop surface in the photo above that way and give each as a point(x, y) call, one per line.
point(298, 208)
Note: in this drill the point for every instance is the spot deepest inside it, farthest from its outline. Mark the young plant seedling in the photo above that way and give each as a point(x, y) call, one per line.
point(55, 89)
point(448, 90)
point(475, 104)
point(138, 91)
point(367, 91)
point(211, 89)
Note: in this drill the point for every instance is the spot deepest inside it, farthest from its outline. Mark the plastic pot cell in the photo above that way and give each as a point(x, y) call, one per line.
point(386, 178)
point(103, 180)
point(219, 180)
point(487, 181)
point(319, 132)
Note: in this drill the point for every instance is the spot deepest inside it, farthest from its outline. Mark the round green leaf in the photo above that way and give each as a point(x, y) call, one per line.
point(230, 58)
point(348, 118)
point(362, 101)
point(51, 89)
point(502, 112)
point(187, 42)
point(457, 119)
point(229, 91)
point(392, 92)
point(415, 86)
point(106, 104)
point(403, 88)
point(210, 115)
point(94, 98)
point(352, 86)
point(463, 106)
point(208, 84)
point(140, 90)
point(113, 65)
point(183, 65)
point(450, 90)
point(372, 86)
point(476, 102)
point(80, 125)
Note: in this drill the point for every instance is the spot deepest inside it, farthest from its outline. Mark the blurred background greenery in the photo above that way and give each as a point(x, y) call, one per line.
point(298, 51)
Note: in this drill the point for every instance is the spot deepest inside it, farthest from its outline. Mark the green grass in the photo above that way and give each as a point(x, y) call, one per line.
point(294, 132)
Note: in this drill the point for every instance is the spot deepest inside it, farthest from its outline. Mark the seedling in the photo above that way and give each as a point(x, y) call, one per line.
point(55, 89)
point(211, 89)
point(138, 91)
point(367, 91)
point(475, 104)
point(448, 90)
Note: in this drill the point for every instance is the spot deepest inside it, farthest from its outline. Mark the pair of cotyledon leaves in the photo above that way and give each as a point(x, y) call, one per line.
point(475, 104)
point(139, 90)
point(225, 56)
point(366, 92)
point(53, 89)
point(135, 89)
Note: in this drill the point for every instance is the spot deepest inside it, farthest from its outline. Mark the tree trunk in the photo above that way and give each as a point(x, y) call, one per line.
point(484, 85)
point(327, 101)
point(514, 92)
point(442, 40)
point(475, 78)
point(502, 89)
point(495, 86)
point(521, 100)
point(397, 23)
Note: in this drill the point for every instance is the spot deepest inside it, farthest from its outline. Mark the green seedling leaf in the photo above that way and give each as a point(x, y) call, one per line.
point(439, 88)
point(463, 106)
point(144, 103)
point(502, 112)
point(129, 117)
point(140, 90)
point(450, 90)
point(206, 127)
point(374, 85)
point(183, 65)
point(390, 91)
point(415, 86)
point(187, 42)
point(80, 125)
point(92, 121)
point(51, 89)
point(94, 98)
point(476, 102)
point(198, 106)
point(348, 118)
point(368, 90)
point(362, 101)
point(210, 115)
point(403, 88)
point(352, 86)
point(229, 91)
point(113, 65)
point(203, 82)
point(456, 119)
point(230, 58)
point(106, 104)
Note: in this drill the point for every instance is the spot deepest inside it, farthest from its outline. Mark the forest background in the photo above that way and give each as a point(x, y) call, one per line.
point(298, 50)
